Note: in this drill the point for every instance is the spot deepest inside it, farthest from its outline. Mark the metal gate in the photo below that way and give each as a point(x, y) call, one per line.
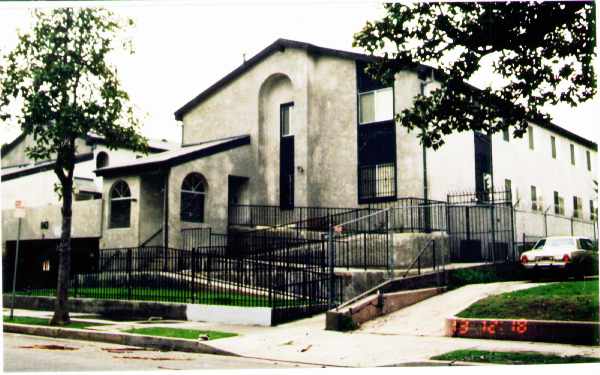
point(481, 227)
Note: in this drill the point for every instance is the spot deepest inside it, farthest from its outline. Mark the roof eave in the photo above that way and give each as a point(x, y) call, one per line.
point(176, 160)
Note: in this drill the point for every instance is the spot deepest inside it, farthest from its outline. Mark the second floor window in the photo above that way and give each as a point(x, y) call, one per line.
point(530, 134)
point(553, 146)
point(376, 106)
point(589, 160)
point(286, 111)
point(593, 213)
point(572, 154)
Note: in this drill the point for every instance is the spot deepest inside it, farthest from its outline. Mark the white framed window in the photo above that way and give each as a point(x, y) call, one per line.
point(286, 112)
point(193, 196)
point(120, 205)
point(376, 105)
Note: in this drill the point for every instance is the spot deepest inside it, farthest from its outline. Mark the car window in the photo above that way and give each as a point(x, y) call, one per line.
point(586, 244)
point(559, 242)
point(540, 244)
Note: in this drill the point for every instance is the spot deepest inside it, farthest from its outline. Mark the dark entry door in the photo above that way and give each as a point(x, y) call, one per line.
point(483, 164)
point(286, 173)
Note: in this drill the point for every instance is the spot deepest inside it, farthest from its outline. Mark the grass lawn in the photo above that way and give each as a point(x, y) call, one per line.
point(171, 295)
point(511, 358)
point(181, 333)
point(46, 322)
point(570, 300)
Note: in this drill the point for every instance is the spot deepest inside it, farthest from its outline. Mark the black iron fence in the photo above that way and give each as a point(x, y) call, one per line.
point(414, 214)
point(363, 242)
point(406, 215)
point(293, 285)
point(481, 227)
point(314, 218)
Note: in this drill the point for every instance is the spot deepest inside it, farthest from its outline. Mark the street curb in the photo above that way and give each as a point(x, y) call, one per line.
point(130, 339)
point(554, 331)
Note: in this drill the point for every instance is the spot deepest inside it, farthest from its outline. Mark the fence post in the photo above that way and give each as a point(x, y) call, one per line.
point(129, 273)
point(193, 275)
point(331, 267)
point(270, 270)
point(388, 241)
point(545, 223)
point(572, 226)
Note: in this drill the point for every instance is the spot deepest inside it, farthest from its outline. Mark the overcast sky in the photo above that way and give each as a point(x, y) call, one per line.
point(181, 48)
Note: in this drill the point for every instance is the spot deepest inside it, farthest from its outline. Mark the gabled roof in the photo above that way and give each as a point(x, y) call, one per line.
point(282, 44)
point(16, 172)
point(168, 159)
point(154, 145)
point(277, 46)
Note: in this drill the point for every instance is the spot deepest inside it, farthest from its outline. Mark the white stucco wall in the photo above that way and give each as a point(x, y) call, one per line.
point(514, 160)
point(86, 221)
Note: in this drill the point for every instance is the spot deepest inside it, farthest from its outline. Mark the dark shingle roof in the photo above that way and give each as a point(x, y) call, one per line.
point(171, 158)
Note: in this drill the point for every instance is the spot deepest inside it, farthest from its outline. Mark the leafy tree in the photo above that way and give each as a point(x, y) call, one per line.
point(59, 78)
point(540, 53)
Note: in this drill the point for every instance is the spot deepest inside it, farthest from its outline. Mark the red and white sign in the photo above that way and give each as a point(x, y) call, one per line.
point(19, 209)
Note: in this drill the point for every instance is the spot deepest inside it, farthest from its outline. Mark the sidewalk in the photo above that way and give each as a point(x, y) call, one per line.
point(414, 334)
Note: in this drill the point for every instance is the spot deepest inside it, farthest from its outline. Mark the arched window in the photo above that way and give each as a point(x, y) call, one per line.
point(193, 193)
point(120, 205)
point(101, 160)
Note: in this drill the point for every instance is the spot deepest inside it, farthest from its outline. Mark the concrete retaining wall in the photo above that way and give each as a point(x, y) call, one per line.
point(140, 309)
point(374, 306)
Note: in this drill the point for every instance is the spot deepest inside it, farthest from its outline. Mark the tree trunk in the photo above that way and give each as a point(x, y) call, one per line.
point(61, 311)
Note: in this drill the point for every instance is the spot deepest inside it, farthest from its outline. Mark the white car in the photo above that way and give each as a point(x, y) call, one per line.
point(564, 253)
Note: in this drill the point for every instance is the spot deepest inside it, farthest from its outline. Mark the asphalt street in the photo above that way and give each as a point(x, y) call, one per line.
point(33, 353)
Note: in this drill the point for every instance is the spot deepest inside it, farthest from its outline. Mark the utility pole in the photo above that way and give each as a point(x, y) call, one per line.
point(19, 214)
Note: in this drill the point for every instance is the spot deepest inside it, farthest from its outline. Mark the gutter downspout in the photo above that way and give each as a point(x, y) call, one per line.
point(424, 84)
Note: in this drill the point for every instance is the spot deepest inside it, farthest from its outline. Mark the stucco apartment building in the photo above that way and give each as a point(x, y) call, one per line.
point(32, 183)
point(297, 126)
point(303, 126)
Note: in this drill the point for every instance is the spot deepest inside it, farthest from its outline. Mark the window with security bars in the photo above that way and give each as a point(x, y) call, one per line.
point(193, 195)
point(377, 181)
point(120, 205)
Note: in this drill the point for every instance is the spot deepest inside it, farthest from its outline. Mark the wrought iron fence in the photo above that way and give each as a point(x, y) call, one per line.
point(363, 242)
point(415, 214)
point(481, 227)
point(316, 218)
point(293, 284)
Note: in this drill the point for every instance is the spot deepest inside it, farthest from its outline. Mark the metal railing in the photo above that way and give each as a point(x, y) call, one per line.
point(295, 285)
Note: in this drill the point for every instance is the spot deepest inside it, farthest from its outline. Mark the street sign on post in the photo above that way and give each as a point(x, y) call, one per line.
point(19, 214)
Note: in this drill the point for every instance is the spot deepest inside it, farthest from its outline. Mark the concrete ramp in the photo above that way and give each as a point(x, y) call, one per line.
point(373, 306)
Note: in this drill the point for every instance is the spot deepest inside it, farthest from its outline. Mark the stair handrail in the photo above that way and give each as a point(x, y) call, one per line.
point(416, 259)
